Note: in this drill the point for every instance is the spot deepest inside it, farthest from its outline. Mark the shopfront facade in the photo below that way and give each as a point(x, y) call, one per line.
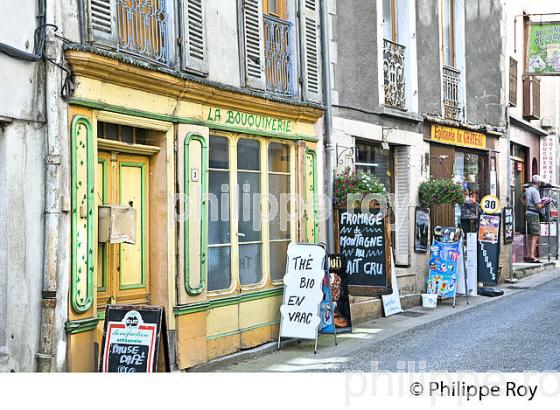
point(205, 170)
point(469, 158)
point(525, 160)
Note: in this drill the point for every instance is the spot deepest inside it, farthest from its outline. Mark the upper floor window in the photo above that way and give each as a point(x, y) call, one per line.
point(390, 22)
point(276, 8)
point(448, 32)
point(270, 46)
point(134, 26)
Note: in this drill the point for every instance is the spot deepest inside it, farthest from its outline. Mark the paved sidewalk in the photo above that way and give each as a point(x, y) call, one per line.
point(299, 356)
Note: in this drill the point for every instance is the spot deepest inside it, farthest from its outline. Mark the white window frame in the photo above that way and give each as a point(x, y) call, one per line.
point(406, 35)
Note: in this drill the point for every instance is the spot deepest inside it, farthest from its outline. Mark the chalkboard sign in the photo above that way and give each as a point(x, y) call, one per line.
point(422, 231)
point(339, 290)
point(488, 248)
point(131, 339)
point(508, 225)
point(365, 251)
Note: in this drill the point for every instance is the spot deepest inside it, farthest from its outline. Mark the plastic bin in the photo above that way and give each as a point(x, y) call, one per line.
point(429, 301)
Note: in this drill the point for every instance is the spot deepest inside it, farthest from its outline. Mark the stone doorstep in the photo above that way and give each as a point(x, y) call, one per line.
point(525, 270)
point(367, 310)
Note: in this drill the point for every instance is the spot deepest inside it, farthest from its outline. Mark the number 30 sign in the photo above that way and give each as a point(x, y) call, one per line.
point(490, 204)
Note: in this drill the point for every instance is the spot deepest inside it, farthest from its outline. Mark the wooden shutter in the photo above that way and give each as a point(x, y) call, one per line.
point(102, 22)
point(512, 82)
point(536, 95)
point(193, 36)
point(253, 41)
point(311, 49)
point(531, 98)
point(401, 205)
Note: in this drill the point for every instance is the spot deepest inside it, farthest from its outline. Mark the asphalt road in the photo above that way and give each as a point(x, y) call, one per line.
point(517, 333)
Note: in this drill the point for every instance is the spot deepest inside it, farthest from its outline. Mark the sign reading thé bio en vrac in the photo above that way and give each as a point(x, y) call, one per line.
point(131, 339)
point(303, 291)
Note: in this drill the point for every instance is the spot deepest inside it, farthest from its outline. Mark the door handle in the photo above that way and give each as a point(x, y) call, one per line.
point(241, 235)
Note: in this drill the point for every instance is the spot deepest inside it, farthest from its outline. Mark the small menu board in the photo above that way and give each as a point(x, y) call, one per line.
point(365, 251)
point(131, 339)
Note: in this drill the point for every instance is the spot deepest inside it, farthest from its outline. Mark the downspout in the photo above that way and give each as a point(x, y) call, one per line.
point(329, 146)
point(44, 355)
point(509, 181)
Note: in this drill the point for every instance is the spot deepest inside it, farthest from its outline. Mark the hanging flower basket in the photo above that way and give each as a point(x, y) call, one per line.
point(439, 192)
point(350, 188)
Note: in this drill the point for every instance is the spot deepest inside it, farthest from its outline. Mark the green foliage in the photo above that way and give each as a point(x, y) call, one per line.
point(440, 191)
point(352, 187)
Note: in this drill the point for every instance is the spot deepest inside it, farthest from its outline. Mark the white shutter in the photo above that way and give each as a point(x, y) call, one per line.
point(253, 40)
point(102, 22)
point(311, 46)
point(193, 24)
point(401, 205)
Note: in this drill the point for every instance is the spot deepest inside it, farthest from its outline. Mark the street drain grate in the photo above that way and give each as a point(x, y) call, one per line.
point(519, 287)
point(412, 314)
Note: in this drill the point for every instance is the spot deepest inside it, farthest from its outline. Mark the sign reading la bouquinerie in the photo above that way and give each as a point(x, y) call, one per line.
point(365, 251)
point(253, 122)
point(131, 339)
point(456, 136)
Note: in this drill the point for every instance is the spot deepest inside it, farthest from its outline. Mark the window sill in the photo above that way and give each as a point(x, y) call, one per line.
point(393, 112)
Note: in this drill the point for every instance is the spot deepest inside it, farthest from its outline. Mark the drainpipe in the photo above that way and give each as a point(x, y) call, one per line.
point(44, 355)
point(509, 181)
point(329, 146)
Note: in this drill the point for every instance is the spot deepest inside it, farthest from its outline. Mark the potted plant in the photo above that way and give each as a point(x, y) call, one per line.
point(352, 187)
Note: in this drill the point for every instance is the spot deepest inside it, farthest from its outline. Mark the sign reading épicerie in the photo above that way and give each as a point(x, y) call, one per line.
point(303, 291)
point(543, 49)
point(254, 122)
point(456, 136)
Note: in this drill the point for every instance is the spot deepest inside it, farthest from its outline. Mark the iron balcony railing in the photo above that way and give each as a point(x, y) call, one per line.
point(277, 55)
point(143, 26)
point(393, 74)
point(451, 95)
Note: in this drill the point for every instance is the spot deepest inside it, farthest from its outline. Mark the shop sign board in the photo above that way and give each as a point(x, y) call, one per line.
point(549, 148)
point(339, 291)
point(392, 303)
point(422, 230)
point(446, 264)
point(253, 122)
point(303, 291)
point(365, 250)
point(508, 224)
point(458, 137)
point(543, 48)
point(131, 339)
point(488, 248)
point(470, 278)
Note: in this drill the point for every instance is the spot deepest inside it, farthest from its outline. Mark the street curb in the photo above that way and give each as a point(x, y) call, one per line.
point(271, 347)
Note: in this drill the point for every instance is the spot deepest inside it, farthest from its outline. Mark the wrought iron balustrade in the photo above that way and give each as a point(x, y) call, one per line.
point(142, 26)
point(394, 75)
point(277, 55)
point(451, 95)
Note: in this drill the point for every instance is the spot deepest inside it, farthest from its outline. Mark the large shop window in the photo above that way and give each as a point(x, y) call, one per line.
point(373, 159)
point(259, 221)
point(468, 170)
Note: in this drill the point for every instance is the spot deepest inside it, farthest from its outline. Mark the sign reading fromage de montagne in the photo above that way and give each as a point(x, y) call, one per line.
point(456, 136)
point(543, 49)
point(249, 121)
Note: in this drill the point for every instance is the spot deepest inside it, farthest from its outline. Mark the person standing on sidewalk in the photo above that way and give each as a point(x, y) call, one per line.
point(534, 207)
